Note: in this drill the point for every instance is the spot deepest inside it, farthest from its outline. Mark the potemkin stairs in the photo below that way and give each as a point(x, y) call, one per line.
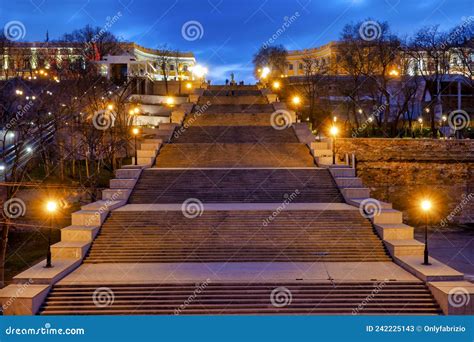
point(247, 211)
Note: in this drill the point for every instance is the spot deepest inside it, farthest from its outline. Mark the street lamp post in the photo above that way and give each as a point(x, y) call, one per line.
point(334, 130)
point(135, 132)
point(51, 208)
point(426, 207)
point(296, 100)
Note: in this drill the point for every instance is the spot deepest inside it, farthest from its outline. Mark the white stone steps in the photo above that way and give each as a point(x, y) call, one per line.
point(79, 233)
point(127, 173)
point(349, 193)
point(116, 194)
point(398, 248)
point(389, 216)
point(70, 249)
point(395, 231)
point(321, 153)
point(88, 218)
point(349, 182)
point(103, 205)
point(122, 183)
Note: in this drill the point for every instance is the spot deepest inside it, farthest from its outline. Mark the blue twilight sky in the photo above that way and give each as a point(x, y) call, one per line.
point(232, 30)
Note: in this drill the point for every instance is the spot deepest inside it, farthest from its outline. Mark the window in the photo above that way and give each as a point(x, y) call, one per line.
point(300, 66)
point(171, 66)
point(290, 66)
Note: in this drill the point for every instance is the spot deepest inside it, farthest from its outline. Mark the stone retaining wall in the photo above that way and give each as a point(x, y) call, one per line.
point(402, 170)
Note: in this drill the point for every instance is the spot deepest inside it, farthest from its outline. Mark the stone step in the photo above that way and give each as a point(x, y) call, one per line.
point(357, 202)
point(144, 161)
point(342, 172)
point(116, 194)
point(153, 141)
point(127, 173)
point(388, 216)
point(88, 218)
point(322, 153)
point(323, 161)
point(349, 193)
point(103, 205)
point(79, 233)
point(69, 249)
point(122, 183)
point(349, 182)
point(146, 154)
point(150, 147)
point(397, 231)
point(398, 248)
point(320, 145)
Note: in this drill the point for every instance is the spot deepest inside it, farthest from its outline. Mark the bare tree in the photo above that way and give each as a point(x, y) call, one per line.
point(273, 57)
point(431, 54)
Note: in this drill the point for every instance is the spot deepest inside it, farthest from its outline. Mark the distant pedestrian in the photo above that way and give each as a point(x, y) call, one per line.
point(226, 81)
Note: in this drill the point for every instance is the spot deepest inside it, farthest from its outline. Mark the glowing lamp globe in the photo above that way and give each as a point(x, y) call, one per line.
point(426, 205)
point(51, 206)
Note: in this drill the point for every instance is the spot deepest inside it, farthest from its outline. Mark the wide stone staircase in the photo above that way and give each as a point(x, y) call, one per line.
point(236, 236)
point(235, 186)
point(393, 297)
point(267, 223)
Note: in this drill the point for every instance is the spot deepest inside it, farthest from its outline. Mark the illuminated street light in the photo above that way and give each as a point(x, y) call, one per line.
point(110, 106)
point(51, 208)
point(19, 92)
point(199, 71)
point(29, 149)
point(189, 85)
point(296, 100)
point(265, 72)
point(426, 208)
point(427, 110)
point(135, 132)
point(394, 72)
point(170, 101)
point(334, 132)
point(444, 118)
point(276, 85)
